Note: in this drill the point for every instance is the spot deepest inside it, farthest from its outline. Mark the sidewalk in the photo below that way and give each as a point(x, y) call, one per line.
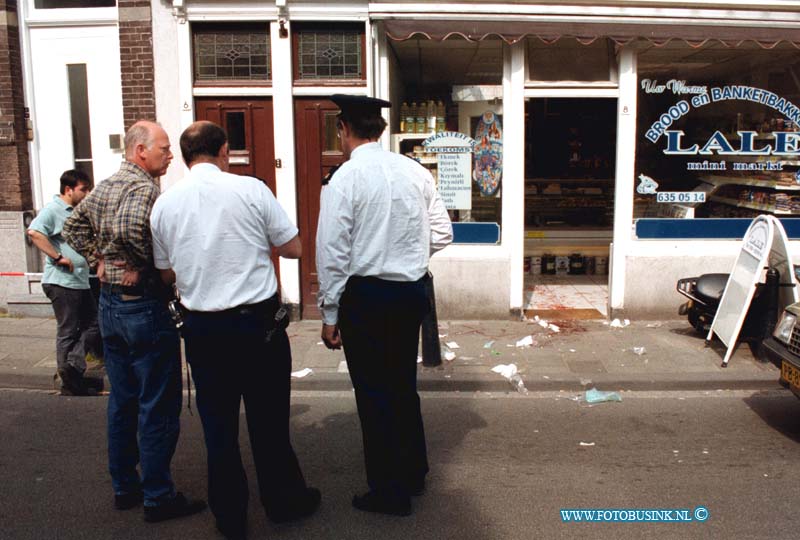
point(582, 354)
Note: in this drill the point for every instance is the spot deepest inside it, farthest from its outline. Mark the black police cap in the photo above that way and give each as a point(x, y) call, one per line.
point(359, 105)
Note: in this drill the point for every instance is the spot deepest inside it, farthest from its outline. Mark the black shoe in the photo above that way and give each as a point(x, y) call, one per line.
point(373, 501)
point(298, 508)
point(93, 385)
point(71, 382)
point(126, 501)
point(232, 532)
point(178, 506)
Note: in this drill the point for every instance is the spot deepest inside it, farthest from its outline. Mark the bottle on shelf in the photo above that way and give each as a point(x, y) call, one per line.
point(441, 123)
point(411, 118)
point(431, 115)
point(422, 110)
point(403, 116)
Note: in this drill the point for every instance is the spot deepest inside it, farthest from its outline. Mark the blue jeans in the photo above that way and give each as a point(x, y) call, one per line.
point(142, 360)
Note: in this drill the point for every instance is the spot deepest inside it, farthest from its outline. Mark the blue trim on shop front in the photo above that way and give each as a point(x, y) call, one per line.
point(476, 233)
point(704, 228)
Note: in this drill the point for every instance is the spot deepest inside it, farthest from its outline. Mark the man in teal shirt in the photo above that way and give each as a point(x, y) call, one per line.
point(66, 284)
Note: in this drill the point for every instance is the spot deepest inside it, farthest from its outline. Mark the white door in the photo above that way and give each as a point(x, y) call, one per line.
point(64, 106)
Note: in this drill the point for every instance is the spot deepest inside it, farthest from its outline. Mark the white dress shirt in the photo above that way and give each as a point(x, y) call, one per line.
point(216, 231)
point(380, 216)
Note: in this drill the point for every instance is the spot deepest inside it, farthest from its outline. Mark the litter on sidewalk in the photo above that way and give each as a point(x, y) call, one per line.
point(616, 323)
point(452, 345)
point(639, 350)
point(305, 372)
point(585, 443)
point(593, 395)
point(527, 341)
point(449, 355)
point(509, 371)
point(488, 344)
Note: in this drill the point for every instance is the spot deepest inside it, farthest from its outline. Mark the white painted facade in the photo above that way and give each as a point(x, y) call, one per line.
point(642, 274)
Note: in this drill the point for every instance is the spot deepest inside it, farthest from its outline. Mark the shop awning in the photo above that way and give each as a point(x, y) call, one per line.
point(659, 34)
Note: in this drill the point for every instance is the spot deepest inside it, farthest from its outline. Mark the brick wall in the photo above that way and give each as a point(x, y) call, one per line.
point(136, 61)
point(15, 180)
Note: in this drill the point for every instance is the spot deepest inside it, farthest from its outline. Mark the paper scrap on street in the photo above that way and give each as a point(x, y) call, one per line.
point(554, 328)
point(305, 372)
point(452, 345)
point(586, 443)
point(593, 395)
point(506, 370)
point(639, 350)
point(543, 324)
point(616, 323)
point(527, 341)
point(449, 356)
point(342, 367)
point(488, 344)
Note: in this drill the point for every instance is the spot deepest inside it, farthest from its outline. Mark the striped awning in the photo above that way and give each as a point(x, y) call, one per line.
point(657, 33)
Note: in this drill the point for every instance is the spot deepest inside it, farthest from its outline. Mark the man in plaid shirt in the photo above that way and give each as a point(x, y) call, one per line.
point(142, 347)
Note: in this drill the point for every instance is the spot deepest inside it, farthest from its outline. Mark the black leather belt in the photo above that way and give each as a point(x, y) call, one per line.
point(266, 308)
point(114, 288)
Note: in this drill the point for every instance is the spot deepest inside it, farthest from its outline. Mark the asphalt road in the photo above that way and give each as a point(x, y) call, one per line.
point(502, 468)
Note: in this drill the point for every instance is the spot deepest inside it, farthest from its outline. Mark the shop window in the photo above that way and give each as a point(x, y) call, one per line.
point(79, 113)
point(326, 52)
point(717, 132)
point(62, 4)
point(570, 60)
point(453, 86)
point(230, 53)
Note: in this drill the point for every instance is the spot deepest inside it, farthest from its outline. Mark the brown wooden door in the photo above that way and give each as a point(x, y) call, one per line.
point(318, 150)
point(248, 123)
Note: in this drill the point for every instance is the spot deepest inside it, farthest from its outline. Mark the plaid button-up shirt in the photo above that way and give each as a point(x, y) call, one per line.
point(114, 221)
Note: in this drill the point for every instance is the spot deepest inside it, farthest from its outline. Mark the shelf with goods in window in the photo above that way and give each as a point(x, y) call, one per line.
point(754, 193)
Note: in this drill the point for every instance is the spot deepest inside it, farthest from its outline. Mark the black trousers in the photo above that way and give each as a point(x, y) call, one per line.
point(380, 323)
point(230, 361)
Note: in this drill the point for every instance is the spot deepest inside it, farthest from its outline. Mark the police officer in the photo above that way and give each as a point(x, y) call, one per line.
point(380, 220)
point(215, 231)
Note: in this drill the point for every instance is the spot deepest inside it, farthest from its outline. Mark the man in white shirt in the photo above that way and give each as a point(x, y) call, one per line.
point(380, 220)
point(213, 233)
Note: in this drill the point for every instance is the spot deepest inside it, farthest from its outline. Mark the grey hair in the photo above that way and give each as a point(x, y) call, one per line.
point(140, 133)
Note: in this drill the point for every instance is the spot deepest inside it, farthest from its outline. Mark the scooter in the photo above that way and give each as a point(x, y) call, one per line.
point(705, 292)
